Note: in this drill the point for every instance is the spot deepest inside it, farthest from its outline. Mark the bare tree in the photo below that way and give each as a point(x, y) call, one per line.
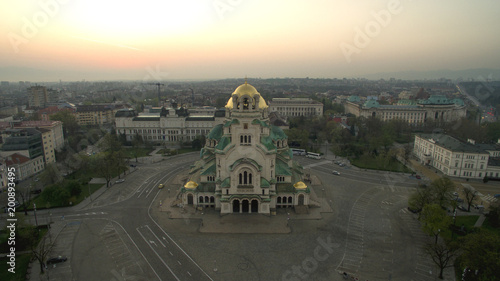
point(25, 196)
point(442, 254)
point(470, 194)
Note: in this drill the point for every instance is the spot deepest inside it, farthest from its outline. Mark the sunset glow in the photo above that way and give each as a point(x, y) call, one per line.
point(209, 39)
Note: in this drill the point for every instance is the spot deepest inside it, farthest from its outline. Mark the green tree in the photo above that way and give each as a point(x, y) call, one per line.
point(137, 142)
point(50, 175)
point(56, 195)
point(110, 142)
point(70, 125)
point(434, 220)
point(442, 188)
point(481, 252)
point(419, 199)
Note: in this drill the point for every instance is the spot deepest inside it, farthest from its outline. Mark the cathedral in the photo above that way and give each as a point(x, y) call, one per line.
point(246, 165)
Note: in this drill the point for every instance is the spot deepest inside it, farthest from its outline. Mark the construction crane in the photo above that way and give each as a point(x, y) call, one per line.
point(158, 85)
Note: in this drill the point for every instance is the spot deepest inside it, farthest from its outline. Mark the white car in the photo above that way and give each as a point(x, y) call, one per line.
point(336, 173)
point(120, 181)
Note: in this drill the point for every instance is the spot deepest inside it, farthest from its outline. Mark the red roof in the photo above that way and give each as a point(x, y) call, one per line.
point(16, 158)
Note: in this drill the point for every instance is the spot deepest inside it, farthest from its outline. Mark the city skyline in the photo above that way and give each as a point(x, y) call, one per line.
point(216, 39)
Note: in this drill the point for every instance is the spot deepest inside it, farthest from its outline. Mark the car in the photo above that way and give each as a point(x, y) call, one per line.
point(455, 194)
point(36, 191)
point(462, 208)
point(133, 165)
point(418, 177)
point(336, 173)
point(496, 195)
point(57, 259)
point(341, 164)
point(120, 181)
point(160, 186)
point(37, 179)
point(459, 200)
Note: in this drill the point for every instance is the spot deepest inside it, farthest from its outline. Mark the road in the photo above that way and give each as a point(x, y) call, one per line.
point(129, 227)
point(116, 238)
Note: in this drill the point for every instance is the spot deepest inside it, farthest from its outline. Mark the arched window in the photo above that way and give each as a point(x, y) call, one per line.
point(241, 139)
point(249, 178)
point(245, 179)
point(200, 200)
point(241, 179)
point(249, 139)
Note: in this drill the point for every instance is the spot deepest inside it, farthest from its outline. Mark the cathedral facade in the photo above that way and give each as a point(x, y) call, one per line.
point(246, 165)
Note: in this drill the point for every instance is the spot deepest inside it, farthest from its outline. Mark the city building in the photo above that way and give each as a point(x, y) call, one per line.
point(294, 107)
point(48, 145)
point(40, 96)
point(97, 114)
point(54, 126)
point(436, 108)
point(453, 157)
point(246, 165)
point(25, 166)
point(169, 126)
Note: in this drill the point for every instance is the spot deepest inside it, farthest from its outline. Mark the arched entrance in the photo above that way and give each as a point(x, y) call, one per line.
point(255, 206)
point(190, 199)
point(245, 206)
point(236, 206)
point(301, 199)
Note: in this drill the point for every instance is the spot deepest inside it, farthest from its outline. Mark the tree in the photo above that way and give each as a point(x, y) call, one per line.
point(110, 142)
point(470, 195)
point(481, 252)
point(418, 199)
point(442, 254)
point(25, 195)
point(137, 141)
point(70, 125)
point(434, 220)
point(56, 195)
point(50, 175)
point(442, 188)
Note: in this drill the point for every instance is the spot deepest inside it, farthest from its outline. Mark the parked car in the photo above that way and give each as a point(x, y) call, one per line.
point(160, 186)
point(496, 195)
point(120, 181)
point(57, 259)
point(341, 164)
point(462, 208)
point(336, 173)
point(414, 210)
point(133, 165)
point(418, 177)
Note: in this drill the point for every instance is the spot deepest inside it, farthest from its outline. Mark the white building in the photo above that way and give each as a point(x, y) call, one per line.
point(25, 167)
point(246, 165)
point(171, 126)
point(436, 109)
point(451, 156)
point(294, 107)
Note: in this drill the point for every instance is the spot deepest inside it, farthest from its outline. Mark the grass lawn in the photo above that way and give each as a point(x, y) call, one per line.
point(41, 203)
point(130, 152)
point(467, 221)
point(22, 262)
point(366, 162)
point(487, 225)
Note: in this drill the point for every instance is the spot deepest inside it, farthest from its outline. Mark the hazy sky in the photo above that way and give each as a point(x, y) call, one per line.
point(212, 39)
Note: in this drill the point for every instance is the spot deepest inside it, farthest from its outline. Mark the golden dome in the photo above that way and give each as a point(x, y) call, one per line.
point(300, 185)
point(249, 90)
point(191, 184)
